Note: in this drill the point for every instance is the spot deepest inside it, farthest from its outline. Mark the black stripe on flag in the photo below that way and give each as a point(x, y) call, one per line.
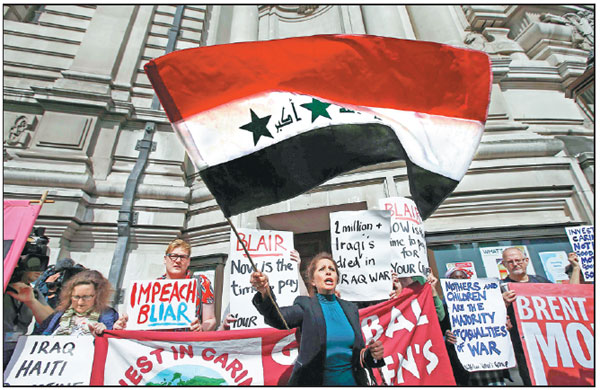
point(295, 165)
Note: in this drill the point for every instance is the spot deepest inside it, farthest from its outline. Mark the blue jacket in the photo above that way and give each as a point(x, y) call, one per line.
point(306, 314)
point(108, 317)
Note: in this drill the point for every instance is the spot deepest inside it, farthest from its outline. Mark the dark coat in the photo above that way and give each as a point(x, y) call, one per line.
point(306, 314)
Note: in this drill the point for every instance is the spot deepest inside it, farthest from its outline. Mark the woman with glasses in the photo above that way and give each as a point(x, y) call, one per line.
point(83, 308)
point(177, 262)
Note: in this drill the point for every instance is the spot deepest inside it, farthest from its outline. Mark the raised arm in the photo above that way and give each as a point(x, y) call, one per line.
point(293, 315)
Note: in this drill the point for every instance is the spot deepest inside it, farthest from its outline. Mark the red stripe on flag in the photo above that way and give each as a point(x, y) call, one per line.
point(360, 70)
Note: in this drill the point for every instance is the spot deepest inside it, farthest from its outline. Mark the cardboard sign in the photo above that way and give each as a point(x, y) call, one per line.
point(51, 361)
point(270, 251)
point(554, 265)
point(414, 351)
point(407, 238)
point(556, 322)
point(162, 304)
point(492, 261)
point(478, 320)
point(360, 244)
point(582, 241)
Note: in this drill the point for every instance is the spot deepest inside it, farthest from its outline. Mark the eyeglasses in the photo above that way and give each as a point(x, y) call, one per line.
point(84, 297)
point(175, 256)
point(516, 261)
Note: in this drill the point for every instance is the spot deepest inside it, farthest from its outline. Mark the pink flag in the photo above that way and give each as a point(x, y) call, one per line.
point(19, 217)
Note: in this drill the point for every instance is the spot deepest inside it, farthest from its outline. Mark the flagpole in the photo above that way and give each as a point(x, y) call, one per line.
point(256, 270)
point(43, 199)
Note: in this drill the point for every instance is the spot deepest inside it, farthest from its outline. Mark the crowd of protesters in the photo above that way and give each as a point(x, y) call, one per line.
point(68, 299)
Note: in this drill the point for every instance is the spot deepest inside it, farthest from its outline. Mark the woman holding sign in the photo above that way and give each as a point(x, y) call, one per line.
point(83, 308)
point(332, 350)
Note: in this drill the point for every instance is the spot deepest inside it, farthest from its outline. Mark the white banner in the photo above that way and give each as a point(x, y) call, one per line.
point(161, 304)
point(478, 320)
point(360, 244)
point(270, 251)
point(170, 363)
point(407, 239)
point(51, 361)
point(492, 261)
point(582, 241)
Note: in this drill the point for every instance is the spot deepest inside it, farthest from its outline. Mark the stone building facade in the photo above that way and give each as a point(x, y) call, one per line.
point(79, 118)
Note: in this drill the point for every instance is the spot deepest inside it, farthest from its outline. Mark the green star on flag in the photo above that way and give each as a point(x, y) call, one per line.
point(257, 126)
point(317, 108)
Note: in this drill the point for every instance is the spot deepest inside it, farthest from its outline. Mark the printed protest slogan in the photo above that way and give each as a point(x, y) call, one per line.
point(51, 361)
point(414, 350)
point(478, 320)
point(582, 241)
point(556, 322)
point(408, 327)
point(492, 261)
point(270, 251)
point(554, 265)
point(360, 244)
point(161, 303)
point(407, 238)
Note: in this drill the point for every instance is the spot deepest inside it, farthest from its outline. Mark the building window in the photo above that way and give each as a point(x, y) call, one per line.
point(23, 13)
point(480, 254)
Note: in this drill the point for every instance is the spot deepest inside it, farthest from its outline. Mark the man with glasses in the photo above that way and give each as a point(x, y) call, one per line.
point(22, 302)
point(516, 264)
point(177, 262)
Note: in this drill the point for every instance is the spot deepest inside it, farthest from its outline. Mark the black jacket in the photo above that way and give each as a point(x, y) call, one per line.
point(306, 314)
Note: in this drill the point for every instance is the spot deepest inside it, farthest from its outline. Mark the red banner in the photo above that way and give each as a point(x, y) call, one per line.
point(556, 324)
point(408, 326)
point(19, 217)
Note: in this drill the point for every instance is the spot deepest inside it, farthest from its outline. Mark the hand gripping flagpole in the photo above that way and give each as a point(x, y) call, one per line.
point(256, 270)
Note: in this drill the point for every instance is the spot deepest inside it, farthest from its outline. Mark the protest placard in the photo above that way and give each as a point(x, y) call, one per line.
point(161, 303)
point(582, 241)
point(467, 266)
point(556, 322)
point(478, 320)
point(492, 261)
point(554, 265)
point(51, 361)
point(360, 244)
point(407, 237)
point(407, 326)
point(270, 251)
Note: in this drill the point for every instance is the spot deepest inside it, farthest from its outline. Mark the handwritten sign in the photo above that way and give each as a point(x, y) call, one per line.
point(161, 304)
point(478, 320)
point(582, 241)
point(492, 261)
point(360, 242)
point(554, 264)
point(270, 251)
point(407, 239)
point(51, 361)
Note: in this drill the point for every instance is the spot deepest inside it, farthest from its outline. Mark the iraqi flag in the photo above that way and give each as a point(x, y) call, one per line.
point(266, 121)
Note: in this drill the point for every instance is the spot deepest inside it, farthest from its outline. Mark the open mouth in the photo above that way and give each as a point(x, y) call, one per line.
point(329, 281)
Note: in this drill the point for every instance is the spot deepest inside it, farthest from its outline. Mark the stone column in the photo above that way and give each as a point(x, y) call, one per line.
point(104, 39)
point(436, 23)
point(244, 23)
point(387, 21)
